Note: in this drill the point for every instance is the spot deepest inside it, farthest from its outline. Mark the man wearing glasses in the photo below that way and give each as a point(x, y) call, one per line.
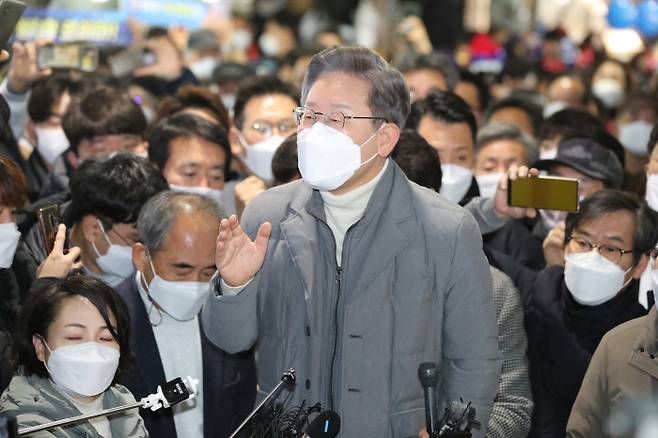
point(354, 276)
point(569, 309)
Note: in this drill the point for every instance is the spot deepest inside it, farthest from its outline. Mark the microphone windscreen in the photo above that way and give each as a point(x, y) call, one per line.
point(325, 425)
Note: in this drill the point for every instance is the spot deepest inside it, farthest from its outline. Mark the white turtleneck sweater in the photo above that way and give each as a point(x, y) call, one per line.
point(342, 211)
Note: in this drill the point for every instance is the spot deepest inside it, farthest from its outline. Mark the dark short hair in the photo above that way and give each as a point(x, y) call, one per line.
point(522, 103)
point(186, 126)
point(418, 160)
point(284, 161)
point(609, 201)
point(257, 86)
point(113, 189)
point(432, 61)
point(570, 122)
point(192, 96)
point(47, 91)
point(102, 111)
point(43, 305)
point(484, 95)
point(443, 106)
point(13, 185)
point(389, 95)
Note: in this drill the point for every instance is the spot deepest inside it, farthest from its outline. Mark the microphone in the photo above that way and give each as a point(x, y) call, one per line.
point(325, 425)
point(167, 395)
point(428, 375)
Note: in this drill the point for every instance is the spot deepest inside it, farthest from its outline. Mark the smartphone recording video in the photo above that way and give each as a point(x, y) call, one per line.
point(544, 192)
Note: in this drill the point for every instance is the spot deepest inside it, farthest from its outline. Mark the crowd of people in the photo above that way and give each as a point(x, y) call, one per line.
point(241, 206)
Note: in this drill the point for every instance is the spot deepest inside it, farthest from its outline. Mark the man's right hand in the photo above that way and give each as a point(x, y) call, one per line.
point(237, 257)
point(24, 69)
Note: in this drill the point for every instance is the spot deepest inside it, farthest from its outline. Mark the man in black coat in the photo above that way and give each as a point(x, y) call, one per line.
point(175, 262)
point(569, 309)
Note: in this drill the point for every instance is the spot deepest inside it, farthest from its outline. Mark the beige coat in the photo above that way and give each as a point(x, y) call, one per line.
point(623, 367)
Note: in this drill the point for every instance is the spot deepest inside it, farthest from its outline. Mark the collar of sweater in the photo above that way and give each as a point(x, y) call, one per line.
point(353, 203)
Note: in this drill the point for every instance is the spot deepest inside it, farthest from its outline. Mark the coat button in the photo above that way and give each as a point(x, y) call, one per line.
point(308, 384)
point(308, 330)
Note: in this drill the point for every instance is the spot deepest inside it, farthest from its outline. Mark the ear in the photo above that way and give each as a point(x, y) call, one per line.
point(74, 161)
point(388, 138)
point(90, 228)
point(237, 149)
point(39, 348)
point(141, 258)
point(641, 266)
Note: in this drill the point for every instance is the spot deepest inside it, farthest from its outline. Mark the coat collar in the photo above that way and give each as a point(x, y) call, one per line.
point(380, 230)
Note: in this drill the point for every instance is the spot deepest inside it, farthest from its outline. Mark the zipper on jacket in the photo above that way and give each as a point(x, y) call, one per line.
point(339, 272)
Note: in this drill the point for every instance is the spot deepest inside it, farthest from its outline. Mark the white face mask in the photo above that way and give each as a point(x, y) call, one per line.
point(203, 68)
point(592, 279)
point(488, 183)
point(258, 156)
point(118, 261)
point(548, 154)
point(269, 44)
point(83, 369)
point(229, 101)
point(327, 158)
point(635, 137)
point(608, 91)
point(51, 143)
point(455, 182)
point(241, 39)
point(651, 194)
point(9, 238)
point(182, 300)
point(214, 194)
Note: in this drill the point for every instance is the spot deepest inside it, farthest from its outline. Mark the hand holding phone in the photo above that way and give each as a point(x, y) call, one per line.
point(501, 205)
point(72, 56)
point(60, 262)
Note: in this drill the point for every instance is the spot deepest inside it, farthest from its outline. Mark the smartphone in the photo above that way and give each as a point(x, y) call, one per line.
point(10, 12)
point(72, 56)
point(129, 60)
point(49, 219)
point(544, 192)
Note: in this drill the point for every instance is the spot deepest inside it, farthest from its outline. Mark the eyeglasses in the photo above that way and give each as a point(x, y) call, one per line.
point(306, 117)
point(612, 253)
point(267, 129)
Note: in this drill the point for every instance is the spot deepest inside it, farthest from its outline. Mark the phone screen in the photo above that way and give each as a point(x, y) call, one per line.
point(544, 192)
point(68, 56)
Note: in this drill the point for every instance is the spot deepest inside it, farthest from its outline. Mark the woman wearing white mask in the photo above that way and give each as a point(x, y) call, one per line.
point(73, 345)
point(569, 309)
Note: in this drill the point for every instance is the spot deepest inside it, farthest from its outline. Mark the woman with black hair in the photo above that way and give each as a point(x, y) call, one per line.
point(72, 346)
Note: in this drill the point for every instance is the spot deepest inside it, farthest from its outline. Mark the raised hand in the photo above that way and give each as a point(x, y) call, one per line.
point(23, 69)
point(237, 257)
point(502, 208)
point(58, 264)
point(554, 245)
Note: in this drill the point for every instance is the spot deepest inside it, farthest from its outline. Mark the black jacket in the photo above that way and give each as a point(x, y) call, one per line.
point(562, 336)
point(229, 380)
point(516, 240)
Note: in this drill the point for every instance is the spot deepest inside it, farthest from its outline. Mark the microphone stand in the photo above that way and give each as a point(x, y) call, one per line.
point(64, 422)
point(287, 378)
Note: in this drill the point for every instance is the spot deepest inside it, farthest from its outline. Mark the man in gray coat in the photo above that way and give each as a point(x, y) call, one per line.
point(355, 275)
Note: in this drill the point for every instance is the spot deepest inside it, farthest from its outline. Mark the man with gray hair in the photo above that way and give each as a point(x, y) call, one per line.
point(499, 146)
point(175, 260)
point(354, 276)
